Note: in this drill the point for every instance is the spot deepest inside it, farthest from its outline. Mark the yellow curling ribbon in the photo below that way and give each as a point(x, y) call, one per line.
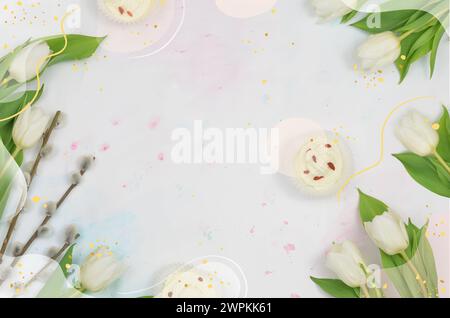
point(38, 68)
point(382, 134)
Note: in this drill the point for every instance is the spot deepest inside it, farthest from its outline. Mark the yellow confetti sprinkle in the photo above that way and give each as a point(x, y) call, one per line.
point(68, 266)
point(435, 126)
point(36, 199)
point(210, 286)
point(264, 82)
point(91, 245)
point(403, 57)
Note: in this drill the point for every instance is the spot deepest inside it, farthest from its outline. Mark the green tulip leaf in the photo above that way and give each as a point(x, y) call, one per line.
point(12, 107)
point(408, 56)
point(8, 171)
point(443, 147)
point(420, 255)
point(424, 39)
point(369, 207)
point(389, 20)
point(349, 16)
point(434, 48)
point(426, 171)
point(336, 288)
point(78, 47)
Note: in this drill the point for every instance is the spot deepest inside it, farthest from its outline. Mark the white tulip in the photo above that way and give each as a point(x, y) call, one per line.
point(100, 269)
point(23, 67)
point(416, 133)
point(388, 232)
point(379, 50)
point(29, 127)
point(345, 261)
point(330, 9)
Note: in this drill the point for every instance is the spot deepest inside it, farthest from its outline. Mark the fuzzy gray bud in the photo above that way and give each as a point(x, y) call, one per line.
point(86, 162)
point(71, 234)
point(17, 249)
point(44, 231)
point(62, 120)
point(46, 151)
point(50, 207)
point(75, 178)
point(51, 252)
point(5, 272)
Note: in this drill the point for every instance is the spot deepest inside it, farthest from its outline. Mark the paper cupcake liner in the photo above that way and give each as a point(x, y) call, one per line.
point(107, 12)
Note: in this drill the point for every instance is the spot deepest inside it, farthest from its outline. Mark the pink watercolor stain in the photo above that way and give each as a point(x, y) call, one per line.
point(285, 222)
point(160, 156)
point(115, 122)
point(74, 145)
point(105, 147)
point(252, 230)
point(295, 295)
point(153, 124)
point(267, 273)
point(289, 248)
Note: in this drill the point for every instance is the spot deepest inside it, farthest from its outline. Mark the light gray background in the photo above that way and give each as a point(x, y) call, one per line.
point(156, 213)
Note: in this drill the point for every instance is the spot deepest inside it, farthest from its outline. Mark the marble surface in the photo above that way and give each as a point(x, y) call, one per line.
point(227, 72)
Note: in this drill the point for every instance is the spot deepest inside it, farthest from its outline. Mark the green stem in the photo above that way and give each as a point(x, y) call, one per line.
point(441, 160)
point(378, 292)
point(419, 279)
point(365, 291)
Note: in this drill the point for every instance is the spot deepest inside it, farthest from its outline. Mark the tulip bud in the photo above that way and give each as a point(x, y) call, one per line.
point(388, 232)
point(379, 50)
point(417, 134)
point(23, 67)
point(345, 261)
point(100, 269)
point(29, 127)
point(330, 9)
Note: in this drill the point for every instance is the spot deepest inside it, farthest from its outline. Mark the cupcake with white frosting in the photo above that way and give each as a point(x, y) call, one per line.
point(190, 283)
point(126, 11)
point(322, 164)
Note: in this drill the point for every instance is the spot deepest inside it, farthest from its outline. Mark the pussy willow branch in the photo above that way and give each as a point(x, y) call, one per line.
point(33, 172)
point(44, 222)
point(54, 257)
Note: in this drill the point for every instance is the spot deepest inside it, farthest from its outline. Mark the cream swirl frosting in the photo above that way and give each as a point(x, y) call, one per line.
point(319, 164)
point(127, 11)
point(188, 284)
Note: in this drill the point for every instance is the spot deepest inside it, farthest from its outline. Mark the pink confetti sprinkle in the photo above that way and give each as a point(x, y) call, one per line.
point(74, 145)
point(267, 273)
point(124, 185)
point(161, 156)
point(289, 247)
point(153, 123)
point(285, 222)
point(295, 295)
point(115, 122)
point(264, 204)
point(252, 230)
point(104, 147)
